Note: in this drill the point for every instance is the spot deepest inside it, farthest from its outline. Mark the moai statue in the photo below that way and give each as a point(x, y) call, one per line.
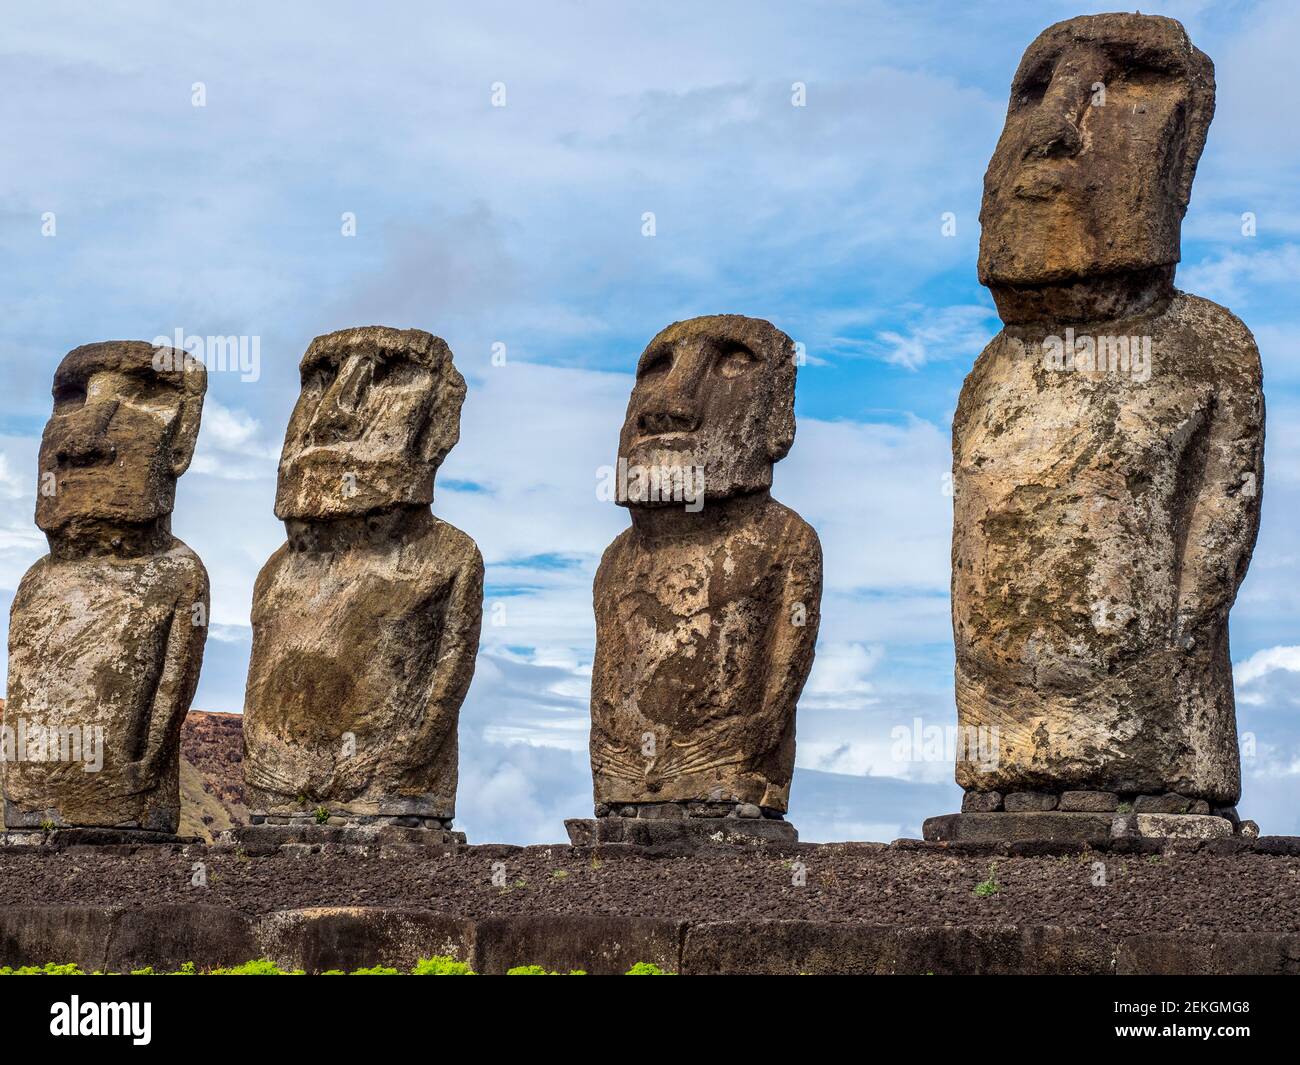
point(707, 607)
point(1107, 459)
point(366, 622)
point(106, 632)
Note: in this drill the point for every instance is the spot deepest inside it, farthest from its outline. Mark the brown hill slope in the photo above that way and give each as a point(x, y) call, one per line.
point(212, 773)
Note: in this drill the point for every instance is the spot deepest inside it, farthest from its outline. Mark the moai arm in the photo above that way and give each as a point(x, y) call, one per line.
point(457, 648)
point(1223, 519)
point(179, 676)
point(793, 638)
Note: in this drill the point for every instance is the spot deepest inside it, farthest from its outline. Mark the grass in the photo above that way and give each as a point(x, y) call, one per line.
point(988, 887)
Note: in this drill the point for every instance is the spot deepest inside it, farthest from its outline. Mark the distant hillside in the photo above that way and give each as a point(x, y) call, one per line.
point(212, 773)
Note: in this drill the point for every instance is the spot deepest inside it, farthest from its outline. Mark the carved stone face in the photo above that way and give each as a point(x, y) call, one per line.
point(1094, 168)
point(378, 412)
point(715, 392)
point(126, 418)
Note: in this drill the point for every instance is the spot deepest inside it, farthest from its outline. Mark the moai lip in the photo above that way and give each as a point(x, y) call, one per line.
point(707, 607)
point(366, 621)
point(106, 632)
point(1107, 445)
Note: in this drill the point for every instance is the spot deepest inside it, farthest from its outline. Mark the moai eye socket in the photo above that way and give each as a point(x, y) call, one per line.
point(69, 396)
point(655, 362)
point(1033, 86)
point(393, 370)
point(734, 359)
point(145, 390)
point(319, 376)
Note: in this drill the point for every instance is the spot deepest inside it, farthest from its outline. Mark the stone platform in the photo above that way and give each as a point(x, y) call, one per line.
point(1127, 905)
point(1084, 816)
point(265, 838)
point(92, 837)
point(1067, 825)
point(683, 826)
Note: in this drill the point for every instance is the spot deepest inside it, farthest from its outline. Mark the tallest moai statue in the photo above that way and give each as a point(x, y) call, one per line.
point(1107, 458)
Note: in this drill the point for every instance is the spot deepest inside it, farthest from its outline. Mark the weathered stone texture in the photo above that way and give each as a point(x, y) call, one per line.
point(706, 617)
point(106, 632)
point(366, 622)
point(1105, 508)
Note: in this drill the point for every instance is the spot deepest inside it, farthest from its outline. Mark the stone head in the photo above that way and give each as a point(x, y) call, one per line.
point(125, 422)
point(378, 411)
point(1093, 171)
point(715, 392)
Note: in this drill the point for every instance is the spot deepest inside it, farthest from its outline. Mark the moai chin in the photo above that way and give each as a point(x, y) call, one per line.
point(106, 632)
point(1107, 447)
point(366, 621)
point(707, 607)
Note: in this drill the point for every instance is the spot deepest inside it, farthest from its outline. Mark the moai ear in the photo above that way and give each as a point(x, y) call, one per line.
point(442, 426)
point(194, 385)
point(1200, 112)
point(779, 351)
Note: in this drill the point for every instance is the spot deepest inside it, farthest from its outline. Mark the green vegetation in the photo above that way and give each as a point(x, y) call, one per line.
point(260, 967)
point(988, 887)
point(441, 965)
point(438, 965)
point(322, 815)
point(646, 968)
point(48, 969)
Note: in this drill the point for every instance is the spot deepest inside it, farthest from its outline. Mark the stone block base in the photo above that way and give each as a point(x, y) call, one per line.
point(91, 837)
point(310, 819)
point(264, 838)
point(684, 832)
point(1076, 827)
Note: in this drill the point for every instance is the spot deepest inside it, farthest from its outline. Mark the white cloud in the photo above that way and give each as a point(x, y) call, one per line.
point(1234, 278)
point(937, 334)
point(1264, 662)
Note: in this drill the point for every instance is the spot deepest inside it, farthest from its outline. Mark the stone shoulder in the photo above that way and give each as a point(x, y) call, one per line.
point(184, 562)
point(1225, 335)
point(457, 545)
point(794, 535)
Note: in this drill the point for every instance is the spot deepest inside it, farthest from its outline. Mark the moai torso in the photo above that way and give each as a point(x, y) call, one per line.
point(359, 654)
point(703, 644)
point(1107, 446)
point(1102, 525)
point(366, 622)
point(106, 632)
point(706, 612)
point(130, 695)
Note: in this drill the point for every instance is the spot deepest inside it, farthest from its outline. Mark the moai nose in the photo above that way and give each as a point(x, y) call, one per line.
point(674, 407)
point(1053, 132)
point(1054, 127)
point(85, 442)
point(336, 418)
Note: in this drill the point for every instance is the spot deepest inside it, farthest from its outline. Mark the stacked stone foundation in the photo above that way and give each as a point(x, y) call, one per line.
point(1085, 816)
point(683, 824)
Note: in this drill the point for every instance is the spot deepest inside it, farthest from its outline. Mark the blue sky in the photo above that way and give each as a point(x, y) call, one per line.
point(522, 226)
